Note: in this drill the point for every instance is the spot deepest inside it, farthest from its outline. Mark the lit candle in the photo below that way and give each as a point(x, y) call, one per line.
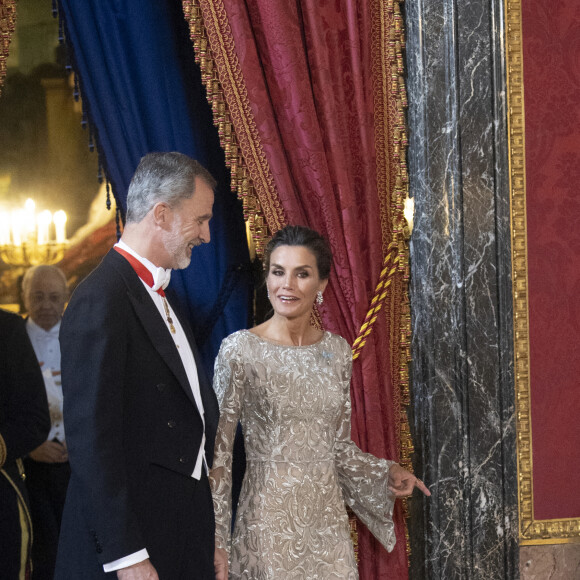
point(29, 220)
point(4, 228)
point(43, 221)
point(409, 211)
point(59, 220)
point(16, 227)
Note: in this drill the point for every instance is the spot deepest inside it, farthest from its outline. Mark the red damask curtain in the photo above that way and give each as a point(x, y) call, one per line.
point(551, 57)
point(308, 99)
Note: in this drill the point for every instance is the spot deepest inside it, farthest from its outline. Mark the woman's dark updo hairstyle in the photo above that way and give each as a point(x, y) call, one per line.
point(301, 236)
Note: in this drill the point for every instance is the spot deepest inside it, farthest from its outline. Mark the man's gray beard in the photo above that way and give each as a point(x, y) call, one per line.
point(181, 257)
point(183, 263)
point(174, 247)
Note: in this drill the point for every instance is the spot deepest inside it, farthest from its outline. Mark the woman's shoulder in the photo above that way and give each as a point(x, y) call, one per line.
point(229, 351)
point(337, 340)
point(338, 345)
point(234, 344)
point(234, 339)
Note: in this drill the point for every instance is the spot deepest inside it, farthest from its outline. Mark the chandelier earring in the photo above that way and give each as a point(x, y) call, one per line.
point(319, 298)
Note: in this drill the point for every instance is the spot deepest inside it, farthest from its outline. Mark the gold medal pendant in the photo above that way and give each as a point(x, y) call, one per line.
point(168, 315)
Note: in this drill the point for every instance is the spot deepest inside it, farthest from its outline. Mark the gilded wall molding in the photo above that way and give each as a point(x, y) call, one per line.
point(531, 531)
point(7, 25)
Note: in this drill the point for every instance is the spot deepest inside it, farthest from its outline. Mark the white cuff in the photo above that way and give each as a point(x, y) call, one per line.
point(126, 561)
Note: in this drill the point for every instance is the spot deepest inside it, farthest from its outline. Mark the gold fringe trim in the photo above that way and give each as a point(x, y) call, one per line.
point(7, 25)
point(390, 94)
point(221, 74)
point(25, 521)
point(353, 533)
point(3, 451)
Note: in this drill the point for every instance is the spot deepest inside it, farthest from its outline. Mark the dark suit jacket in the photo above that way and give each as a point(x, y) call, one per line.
point(24, 425)
point(127, 406)
point(24, 418)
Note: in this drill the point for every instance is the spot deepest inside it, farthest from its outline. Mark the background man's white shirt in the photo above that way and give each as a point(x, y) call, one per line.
point(47, 350)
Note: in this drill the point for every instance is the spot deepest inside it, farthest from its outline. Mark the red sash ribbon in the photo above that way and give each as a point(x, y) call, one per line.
point(140, 269)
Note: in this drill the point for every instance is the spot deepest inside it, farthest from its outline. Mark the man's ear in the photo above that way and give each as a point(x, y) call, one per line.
point(161, 214)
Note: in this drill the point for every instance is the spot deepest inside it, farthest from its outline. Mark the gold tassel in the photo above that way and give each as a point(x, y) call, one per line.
point(240, 179)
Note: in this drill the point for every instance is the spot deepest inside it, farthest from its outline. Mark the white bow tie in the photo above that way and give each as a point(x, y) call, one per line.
point(48, 334)
point(161, 278)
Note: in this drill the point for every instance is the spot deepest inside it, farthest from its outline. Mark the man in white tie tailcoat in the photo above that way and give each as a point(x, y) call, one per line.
point(140, 414)
point(45, 293)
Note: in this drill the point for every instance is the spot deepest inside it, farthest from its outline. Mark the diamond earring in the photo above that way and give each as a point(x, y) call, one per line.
point(319, 297)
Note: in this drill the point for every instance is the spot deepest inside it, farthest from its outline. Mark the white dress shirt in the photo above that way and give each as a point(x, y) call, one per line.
point(47, 349)
point(161, 280)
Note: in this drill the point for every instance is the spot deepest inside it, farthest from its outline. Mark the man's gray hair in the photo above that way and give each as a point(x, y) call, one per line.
point(41, 270)
point(163, 177)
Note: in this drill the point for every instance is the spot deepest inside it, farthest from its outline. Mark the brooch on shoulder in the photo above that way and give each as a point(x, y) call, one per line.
point(327, 356)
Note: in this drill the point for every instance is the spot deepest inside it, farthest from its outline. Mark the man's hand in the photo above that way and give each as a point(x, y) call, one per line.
point(50, 452)
point(220, 562)
point(402, 482)
point(140, 571)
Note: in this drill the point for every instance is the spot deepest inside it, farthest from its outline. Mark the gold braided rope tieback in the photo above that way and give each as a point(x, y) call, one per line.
point(385, 280)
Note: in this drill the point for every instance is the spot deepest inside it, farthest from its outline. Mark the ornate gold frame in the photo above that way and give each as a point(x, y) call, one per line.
point(531, 531)
point(7, 24)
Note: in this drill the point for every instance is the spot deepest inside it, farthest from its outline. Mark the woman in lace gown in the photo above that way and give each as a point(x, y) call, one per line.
point(288, 384)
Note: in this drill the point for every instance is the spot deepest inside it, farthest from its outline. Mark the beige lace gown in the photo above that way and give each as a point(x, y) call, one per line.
point(302, 467)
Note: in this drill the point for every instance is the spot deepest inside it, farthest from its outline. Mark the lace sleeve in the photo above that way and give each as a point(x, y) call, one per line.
point(363, 477)
point(228, 384)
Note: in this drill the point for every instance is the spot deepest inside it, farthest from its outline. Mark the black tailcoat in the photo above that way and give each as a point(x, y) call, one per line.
point(24, 425)
point(133, 431)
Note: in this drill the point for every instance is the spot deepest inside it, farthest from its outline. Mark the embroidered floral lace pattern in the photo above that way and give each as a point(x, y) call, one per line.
point(294, 406)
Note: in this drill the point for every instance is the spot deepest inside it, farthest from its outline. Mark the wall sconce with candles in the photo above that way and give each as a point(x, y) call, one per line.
point(409, 213)
point(28, 238)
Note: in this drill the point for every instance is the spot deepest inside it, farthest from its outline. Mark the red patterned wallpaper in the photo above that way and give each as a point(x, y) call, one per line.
point(551, 47)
